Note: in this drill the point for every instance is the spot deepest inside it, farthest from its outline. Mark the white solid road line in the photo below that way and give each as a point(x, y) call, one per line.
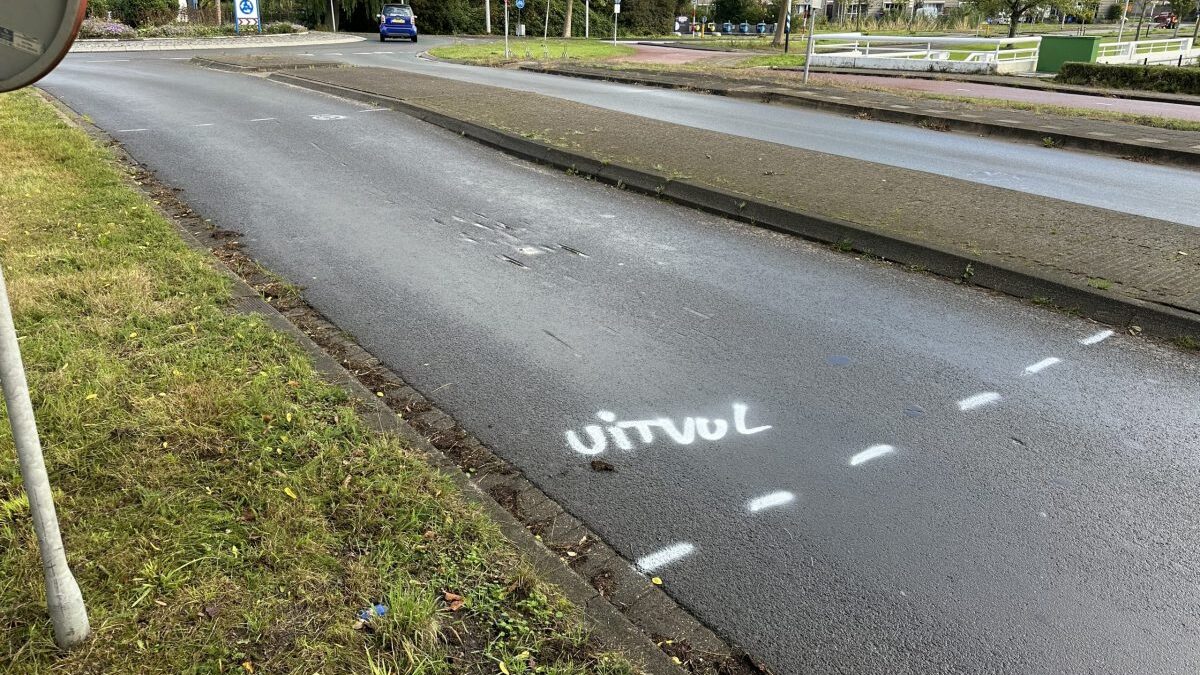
point(663, 557)
point(108, 61)
point(871, 453)
point(1098, 337)
point(977, 400)
point(206, 124)
point(769, 501)
point(126, 131)
point(1042, 365)
point(262, 119)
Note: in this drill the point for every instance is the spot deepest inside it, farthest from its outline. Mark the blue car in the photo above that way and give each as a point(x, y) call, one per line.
point(397, 21)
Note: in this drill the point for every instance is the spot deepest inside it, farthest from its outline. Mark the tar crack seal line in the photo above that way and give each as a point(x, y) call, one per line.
point(684, 434)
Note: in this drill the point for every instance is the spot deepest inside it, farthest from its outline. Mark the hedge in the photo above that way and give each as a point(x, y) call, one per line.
point(1169, 79)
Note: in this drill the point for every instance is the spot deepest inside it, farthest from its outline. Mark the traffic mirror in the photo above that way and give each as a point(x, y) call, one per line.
point(34, 36)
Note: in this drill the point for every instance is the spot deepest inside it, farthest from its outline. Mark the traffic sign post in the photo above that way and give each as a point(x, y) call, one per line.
point(787, 32)
point(246, 14)
point(34, 36)
point(506, 29)
point(616, 15)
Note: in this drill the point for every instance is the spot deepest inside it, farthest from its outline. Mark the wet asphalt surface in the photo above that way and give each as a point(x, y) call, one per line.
point(1084, 178)
point(1011, 514)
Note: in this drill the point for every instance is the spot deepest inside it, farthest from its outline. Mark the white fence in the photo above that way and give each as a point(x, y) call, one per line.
point(1149, 51)
point(938, 54)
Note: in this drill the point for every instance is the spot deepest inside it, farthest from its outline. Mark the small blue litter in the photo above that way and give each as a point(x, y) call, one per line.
point(371, 612)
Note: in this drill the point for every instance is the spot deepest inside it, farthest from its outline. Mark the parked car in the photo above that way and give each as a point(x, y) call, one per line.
point(397, 21)
point(1166, 20)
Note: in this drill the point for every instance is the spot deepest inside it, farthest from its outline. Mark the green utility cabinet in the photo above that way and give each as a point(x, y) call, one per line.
point(1058, 49)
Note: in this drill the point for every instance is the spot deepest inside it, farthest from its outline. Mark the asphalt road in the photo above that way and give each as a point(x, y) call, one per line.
point(1144, 189)
point(923, 478)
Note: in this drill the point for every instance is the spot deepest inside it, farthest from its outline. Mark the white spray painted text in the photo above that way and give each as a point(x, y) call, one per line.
point(684, 434)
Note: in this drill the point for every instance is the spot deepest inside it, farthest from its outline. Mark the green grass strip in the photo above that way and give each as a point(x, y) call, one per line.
point(223, 507)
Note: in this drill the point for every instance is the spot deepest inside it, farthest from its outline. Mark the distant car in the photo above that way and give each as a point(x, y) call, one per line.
point(397, 21)
point(1166, 20)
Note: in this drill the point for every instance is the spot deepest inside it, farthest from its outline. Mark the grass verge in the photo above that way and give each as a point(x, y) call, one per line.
point(223, 507)
point(1065, 111)
point(530, 49)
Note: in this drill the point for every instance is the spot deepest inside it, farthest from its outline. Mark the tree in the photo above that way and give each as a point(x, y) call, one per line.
point(1087, 10)
point(567, 19)
point(737, 10)
point(1180, 9)
point(785, 8)
point(1016, 9)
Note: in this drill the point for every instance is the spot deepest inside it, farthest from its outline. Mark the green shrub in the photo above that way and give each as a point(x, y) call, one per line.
point(1169, 79)
point(138, 13)
point(1113, 13)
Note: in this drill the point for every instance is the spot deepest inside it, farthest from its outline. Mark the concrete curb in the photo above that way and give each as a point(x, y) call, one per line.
point(1156, 319)
point(237, 68)
point(221, 42)
point(605, 622)
point(1186, 158)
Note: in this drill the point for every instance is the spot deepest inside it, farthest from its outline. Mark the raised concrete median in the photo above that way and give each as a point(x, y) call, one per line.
point(1126, 270)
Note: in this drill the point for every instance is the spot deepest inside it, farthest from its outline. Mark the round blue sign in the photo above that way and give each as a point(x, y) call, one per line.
point(247, 7)
point(520, 4)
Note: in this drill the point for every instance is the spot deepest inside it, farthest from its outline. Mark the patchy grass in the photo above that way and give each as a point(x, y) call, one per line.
point(224, 509)
point(1065, 111)
point(530, 49)
point(789, 60)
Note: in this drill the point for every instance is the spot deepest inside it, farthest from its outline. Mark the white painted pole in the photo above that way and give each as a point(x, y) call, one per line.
point(506, 29)
point(487, 16)
point(616, 15)
point(333, 15)
point(587, 19)
point(63, 598)
point(808, 49)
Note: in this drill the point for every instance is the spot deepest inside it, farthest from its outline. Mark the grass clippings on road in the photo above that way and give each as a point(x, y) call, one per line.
point(530, 49)
point(224, 509)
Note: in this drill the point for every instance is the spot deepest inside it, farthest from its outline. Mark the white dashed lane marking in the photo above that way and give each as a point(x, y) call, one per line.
point(871, 453)
point(129, 131)
point(1098, 337)
point(1042, 365)
point(664, 557)
point(972, 402)
point(770, 501)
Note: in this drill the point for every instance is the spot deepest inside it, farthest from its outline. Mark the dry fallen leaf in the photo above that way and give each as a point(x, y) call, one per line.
point(290, 492)
point(454, 601)
point(656, 581)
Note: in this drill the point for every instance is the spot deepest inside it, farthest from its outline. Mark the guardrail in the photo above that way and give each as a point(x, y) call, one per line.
point(1146, 51)
point(939, 53)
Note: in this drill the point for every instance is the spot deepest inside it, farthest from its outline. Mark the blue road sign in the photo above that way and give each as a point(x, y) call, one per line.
point(520, 4)
point(247, 7)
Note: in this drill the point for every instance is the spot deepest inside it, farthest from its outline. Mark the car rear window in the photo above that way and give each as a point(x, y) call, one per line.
point(397, 10)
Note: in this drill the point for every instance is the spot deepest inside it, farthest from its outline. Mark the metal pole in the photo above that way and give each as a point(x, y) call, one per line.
point(616, 15)
point(333, 15)
point(67, 612)
point(1124, 15)
point(487, 16)
point(808, 50)
point(546, 32)
point(506, 56)
point(587, 19)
